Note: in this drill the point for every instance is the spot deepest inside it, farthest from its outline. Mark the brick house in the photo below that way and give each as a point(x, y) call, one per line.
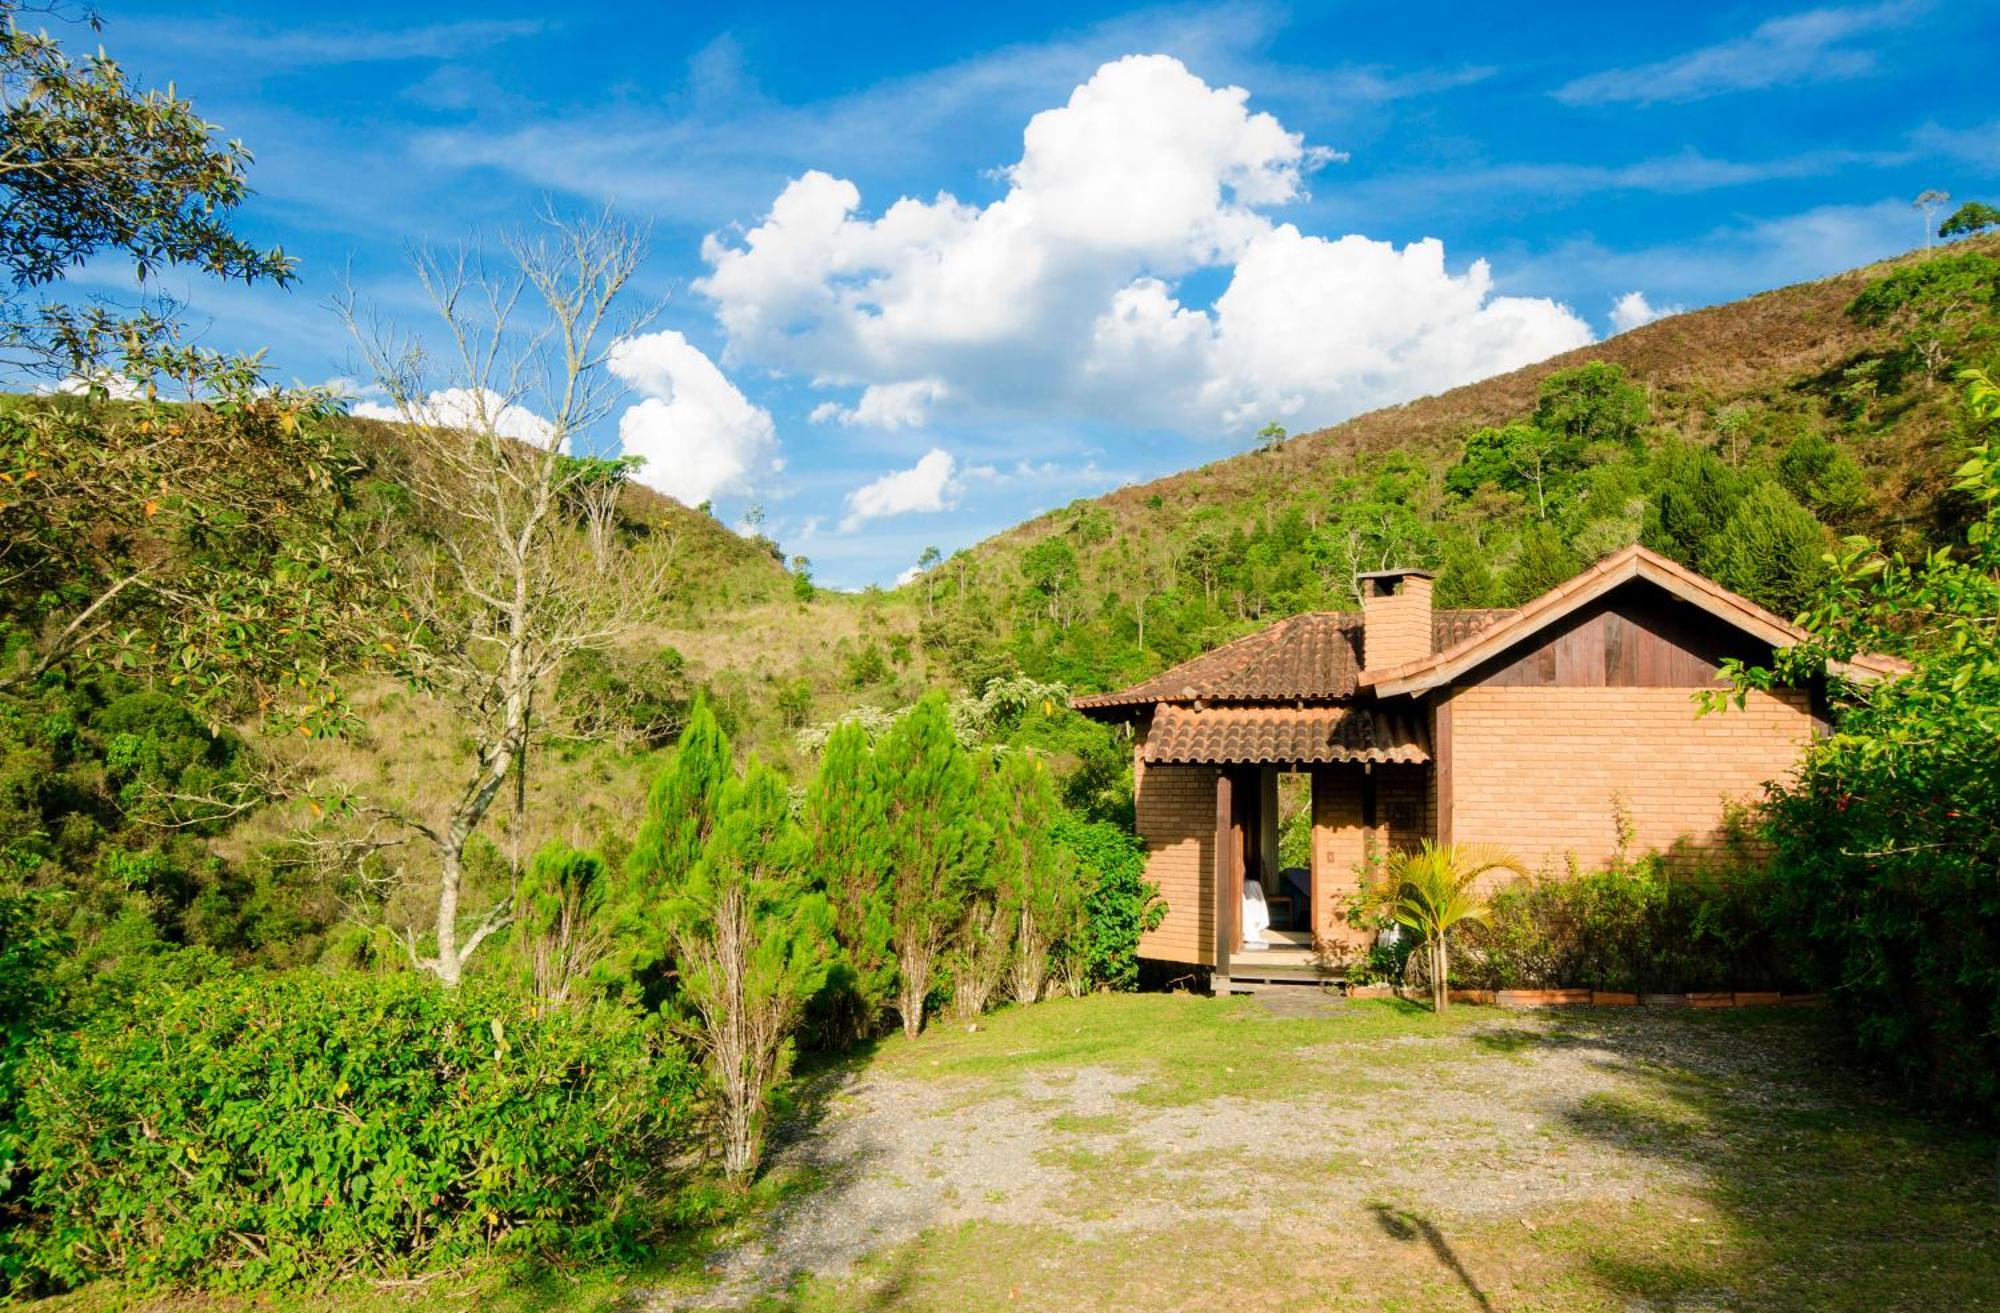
point(1539, 730)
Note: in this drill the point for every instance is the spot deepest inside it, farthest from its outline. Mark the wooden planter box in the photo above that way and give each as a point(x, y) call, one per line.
point(1471, 995)
point(1541, 998)
point(1612, 998)
point(1800, 1000)
point(1370, 991)
point(1758, 998)
point(1664, 1000)
point(1712, 1000)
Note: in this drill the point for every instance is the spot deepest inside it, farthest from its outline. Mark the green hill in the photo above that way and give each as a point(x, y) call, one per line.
point(1738, 439)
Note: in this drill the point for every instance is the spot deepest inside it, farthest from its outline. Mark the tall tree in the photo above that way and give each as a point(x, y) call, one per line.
point(1772, 551)
point(845, 815)
point(1929, 202)
point(91, 165)
point(1968, 219)
point(927, 564)
point(934, 845)
point(1051, 571)
point(1886, 840)
point(751, 940)
point(1592, 403)
point(196, 544)
point(506, 592)
point(681, 812)
point(1544, 561)
point(1693, 496)
point(557, 923)
point(1036, 874)
point(1536, 462)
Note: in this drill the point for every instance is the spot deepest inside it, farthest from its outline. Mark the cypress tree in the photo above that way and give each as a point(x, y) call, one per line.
point(1693, 496)
point(680, 816)
point(934, 845)
point(751, 941)
point(1772, 551)
point(845, 816)
point(1039, 878)
point(1545, 560)
point(557, 927)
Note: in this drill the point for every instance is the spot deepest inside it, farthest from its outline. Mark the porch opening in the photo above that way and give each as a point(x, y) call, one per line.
point(1277, 921)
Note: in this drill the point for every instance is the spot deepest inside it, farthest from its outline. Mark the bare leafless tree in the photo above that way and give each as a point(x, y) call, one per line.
point(1928, 203)
point(509, 589)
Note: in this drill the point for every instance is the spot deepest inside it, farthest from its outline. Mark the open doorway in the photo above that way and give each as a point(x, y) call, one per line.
point(1276, 928)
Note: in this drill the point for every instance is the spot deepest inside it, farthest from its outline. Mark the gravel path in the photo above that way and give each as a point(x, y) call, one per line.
point(1478, 1123)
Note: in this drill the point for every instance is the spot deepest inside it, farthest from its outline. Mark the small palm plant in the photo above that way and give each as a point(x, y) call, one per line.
point(1434, 891)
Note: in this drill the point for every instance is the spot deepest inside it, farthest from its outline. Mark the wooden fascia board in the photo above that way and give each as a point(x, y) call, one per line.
point(1447, 666)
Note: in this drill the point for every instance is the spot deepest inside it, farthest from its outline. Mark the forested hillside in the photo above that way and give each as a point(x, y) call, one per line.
point(1739, 440)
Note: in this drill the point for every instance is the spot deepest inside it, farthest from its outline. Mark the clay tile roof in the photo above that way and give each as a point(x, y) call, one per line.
point(1284, 735)
point(1312, 657)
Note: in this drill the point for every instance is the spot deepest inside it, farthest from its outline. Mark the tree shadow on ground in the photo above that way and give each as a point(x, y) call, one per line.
point(1828, 1194)
point(1409, 1227)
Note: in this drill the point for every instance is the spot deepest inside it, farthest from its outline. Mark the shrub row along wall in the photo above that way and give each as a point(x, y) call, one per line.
point(1640, 927)
point(266, 1128)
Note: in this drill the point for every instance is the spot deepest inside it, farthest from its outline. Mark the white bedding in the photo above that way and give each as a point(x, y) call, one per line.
point(1256, 915)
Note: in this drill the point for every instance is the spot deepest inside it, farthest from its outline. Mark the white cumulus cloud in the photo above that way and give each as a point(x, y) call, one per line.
point(115, 385)
point(932, 484)
point(698, 434)
point(1061, 297)
point(1633, 310)
point(480, 410)
point(886, 405)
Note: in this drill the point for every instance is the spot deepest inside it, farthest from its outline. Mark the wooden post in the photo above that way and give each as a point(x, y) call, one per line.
point(1441, 768)
point(1225, 865)
point(1267, 828)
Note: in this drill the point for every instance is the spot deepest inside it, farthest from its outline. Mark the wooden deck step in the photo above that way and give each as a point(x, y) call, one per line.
point(1309, 973)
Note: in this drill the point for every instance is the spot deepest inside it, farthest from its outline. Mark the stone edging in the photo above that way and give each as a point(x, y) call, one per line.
point(1547, 998)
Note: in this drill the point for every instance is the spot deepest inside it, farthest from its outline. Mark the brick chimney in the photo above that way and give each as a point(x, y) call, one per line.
point(1395, 617)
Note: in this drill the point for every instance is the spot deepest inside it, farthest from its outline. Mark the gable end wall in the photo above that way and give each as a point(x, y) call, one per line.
point(1535, 770)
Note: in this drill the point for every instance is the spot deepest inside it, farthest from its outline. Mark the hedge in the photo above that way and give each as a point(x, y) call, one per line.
point(273, 1128)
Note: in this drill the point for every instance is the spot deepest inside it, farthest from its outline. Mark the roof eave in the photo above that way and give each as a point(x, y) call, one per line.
point(1566, 599)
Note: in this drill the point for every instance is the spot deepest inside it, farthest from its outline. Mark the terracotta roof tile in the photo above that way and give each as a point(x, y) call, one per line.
point(1283, 735)
point(1315, 656)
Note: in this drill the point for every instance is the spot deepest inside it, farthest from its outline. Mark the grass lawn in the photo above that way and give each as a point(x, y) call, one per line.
point(1169, 1152)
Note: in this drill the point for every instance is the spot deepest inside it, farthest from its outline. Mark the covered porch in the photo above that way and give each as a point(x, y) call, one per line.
point(1360, 780)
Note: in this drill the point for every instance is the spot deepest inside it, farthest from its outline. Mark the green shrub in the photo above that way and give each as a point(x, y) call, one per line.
point(29, 951)
point(269, 1128)
point(1639, 926)
point(1887, 841)
point(1121, 904)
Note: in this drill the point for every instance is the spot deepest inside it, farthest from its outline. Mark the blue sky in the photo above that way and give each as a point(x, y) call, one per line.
point(932, 269)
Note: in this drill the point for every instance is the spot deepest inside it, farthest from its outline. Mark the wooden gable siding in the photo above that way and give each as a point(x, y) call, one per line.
point(1639, 637)
point(1548, 750)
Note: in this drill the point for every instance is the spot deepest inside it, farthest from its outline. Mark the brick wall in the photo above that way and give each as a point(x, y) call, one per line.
point(1534, 770)
point(1397, 627)
point(1175, 808)
point(1343, 844)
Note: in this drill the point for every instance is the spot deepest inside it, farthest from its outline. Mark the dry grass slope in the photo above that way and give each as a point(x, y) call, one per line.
point(1702, 361)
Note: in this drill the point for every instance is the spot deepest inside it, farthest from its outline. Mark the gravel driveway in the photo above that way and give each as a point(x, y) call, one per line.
point(1479, 1122)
